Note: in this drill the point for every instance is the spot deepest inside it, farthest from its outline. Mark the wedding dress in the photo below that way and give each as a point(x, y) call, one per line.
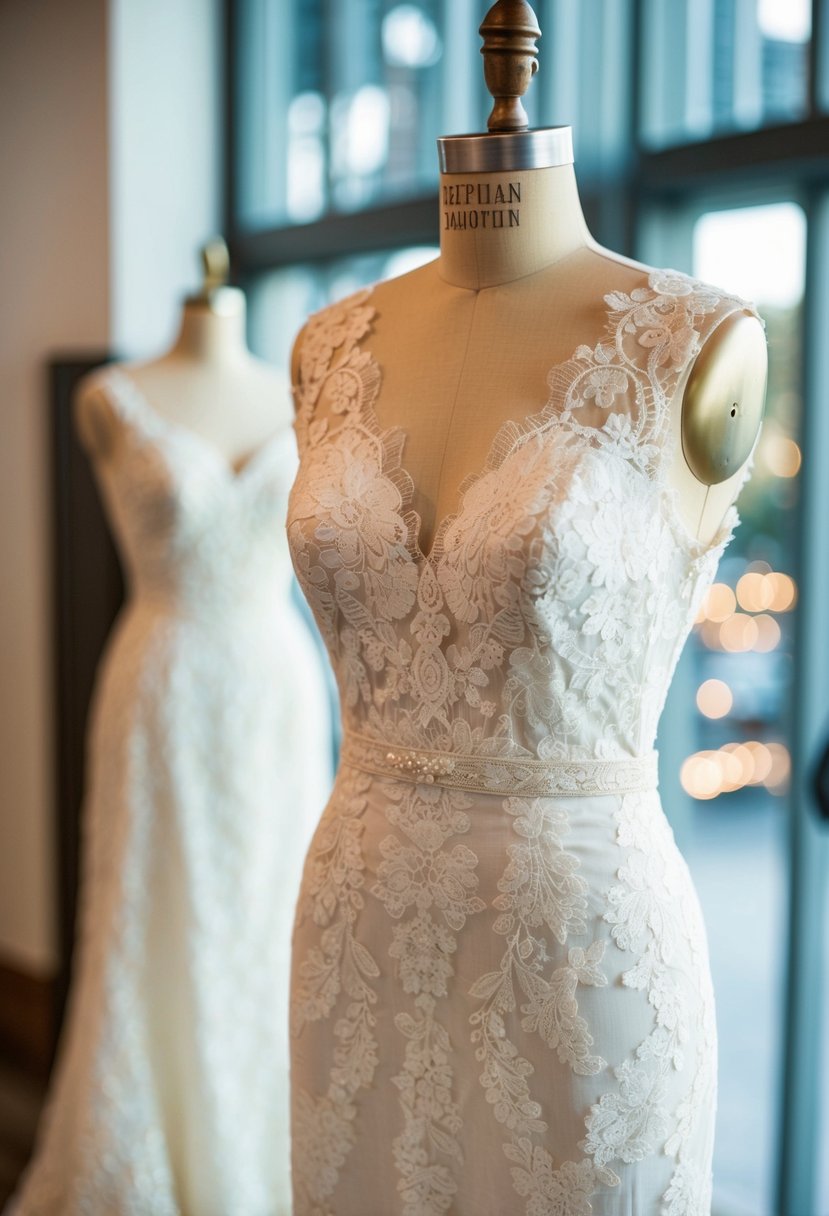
point(501, 998)
point(208, 768)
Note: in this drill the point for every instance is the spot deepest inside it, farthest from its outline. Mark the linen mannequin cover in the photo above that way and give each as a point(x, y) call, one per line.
point(501, 998)
point(208, 769)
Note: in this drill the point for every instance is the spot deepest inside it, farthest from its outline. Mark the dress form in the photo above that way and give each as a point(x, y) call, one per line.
point(208, 382)
point(467, 342)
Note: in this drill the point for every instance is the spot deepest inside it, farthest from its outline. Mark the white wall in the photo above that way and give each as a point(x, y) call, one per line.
point(166, 124)
point(54, 295)
point(109, 147)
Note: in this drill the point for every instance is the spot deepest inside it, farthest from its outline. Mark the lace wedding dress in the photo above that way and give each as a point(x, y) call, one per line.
point(208, 771)
point(501, 999)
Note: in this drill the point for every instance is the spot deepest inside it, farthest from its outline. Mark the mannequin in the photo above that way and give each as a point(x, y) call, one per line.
point(208, 764)
point(466, 342)
point(496, 828)
point(208, 382)
point(503, 647)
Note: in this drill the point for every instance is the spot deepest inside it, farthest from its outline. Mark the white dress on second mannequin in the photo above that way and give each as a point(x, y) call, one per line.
point(208, 769)
point(501, 1001)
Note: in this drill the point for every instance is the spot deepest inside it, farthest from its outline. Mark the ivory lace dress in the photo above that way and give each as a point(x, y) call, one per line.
point(208, 769)
point(501, 999)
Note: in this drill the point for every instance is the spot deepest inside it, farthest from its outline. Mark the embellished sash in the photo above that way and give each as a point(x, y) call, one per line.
point(504, 775)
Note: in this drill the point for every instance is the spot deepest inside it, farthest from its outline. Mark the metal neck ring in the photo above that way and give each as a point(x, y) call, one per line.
point(506, 152)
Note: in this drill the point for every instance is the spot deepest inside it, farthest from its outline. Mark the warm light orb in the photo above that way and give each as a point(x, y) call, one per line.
point(781, 766)
point(768, 633)
point(762, 761)
point(706, 774)
point(710, 635)
point(784, 592)
point(736, 765)
point(719, 602)
point(754, 592)
point(738, 633)
point(714, 698)
point(701, 776)
point(782, 455)
point(743, 759)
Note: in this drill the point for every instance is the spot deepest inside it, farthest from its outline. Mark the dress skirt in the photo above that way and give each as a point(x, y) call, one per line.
point(499, 1005)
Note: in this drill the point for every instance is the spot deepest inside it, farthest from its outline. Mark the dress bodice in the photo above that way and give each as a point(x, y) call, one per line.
point(547, 620)
point(197, 538)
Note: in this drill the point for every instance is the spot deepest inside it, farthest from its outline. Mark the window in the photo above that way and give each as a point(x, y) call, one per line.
point(281, 300)
point(738, 764)
point(724, 65)
point(700, 129)
point(326, 130)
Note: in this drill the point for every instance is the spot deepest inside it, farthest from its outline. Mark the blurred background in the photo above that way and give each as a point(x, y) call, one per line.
point(304, 130)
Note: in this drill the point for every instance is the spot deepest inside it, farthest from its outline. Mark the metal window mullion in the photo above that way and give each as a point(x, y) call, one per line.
point(229, 151)
point(664, 71)
point(457, 67)
point(558, 74)
point(699, 67)
point(277, 39)
point(328, 51)
point(747, 88)
point(804, 1019)
point(819, 59)
point(412, 221)
point(792, 151)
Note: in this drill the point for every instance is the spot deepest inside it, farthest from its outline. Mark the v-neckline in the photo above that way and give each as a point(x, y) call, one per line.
point(506, 440)
point(153, 420)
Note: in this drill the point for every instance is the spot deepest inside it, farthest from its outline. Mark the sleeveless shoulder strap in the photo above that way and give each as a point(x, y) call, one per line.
point(620, 392)
point(98, 412)
point(328, 345)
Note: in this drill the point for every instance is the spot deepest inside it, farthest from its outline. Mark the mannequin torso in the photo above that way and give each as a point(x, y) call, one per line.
point(484, 527)
point(466, 342)
point(208, 383)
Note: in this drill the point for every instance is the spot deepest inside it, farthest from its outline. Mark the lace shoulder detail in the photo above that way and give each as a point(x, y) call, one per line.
point(339, 383)
point(94, 381)
point(329, 357)
point(619, 392)
point(95, 390)
point(102, 408)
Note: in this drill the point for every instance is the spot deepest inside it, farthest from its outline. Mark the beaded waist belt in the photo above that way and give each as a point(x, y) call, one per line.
point(505, 775)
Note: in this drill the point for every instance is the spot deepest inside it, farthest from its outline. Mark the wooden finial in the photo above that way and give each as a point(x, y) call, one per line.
point(216, 265)
point(509, 30)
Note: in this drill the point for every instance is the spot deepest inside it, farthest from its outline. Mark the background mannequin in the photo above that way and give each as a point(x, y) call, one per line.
point(208, 382)
point(209, 756)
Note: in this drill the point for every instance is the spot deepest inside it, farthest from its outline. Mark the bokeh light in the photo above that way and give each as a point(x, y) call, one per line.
point(738, 633)
point(779, 453)
point(768, 633)
point(707, 774)
point(754, 592)
point(714, 698)
point(719, 602)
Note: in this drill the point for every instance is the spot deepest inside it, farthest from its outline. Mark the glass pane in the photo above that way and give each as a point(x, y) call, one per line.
point(281, 301)
point(823, 1140)
point(339, 104)
point(729, 711)
point(723, 65)
point(822, 98)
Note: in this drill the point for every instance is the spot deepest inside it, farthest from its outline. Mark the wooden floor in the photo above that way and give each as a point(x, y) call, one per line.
point(20, 1102)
